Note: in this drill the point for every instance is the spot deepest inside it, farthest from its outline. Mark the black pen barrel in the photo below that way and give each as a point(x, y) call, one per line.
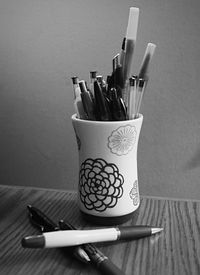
point(136, 232)
point(108, 268)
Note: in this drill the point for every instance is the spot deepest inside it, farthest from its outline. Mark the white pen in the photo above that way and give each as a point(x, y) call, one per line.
point(148, 55)
point(76, 237)
point(141, 85)
point(78, 104)
point(131, 35)
point(131, 109)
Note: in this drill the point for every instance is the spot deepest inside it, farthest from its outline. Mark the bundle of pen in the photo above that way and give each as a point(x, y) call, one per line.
point(79, 242)
point(118, 97)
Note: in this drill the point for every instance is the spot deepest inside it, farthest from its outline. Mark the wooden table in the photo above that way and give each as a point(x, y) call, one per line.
point(175, 251)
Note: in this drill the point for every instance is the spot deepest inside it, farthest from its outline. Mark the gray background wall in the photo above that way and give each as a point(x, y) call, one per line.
point(43, 43)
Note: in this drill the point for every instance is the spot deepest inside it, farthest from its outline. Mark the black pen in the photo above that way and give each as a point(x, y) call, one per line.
point(117, 106)
point(45, 224)
point(87, 100)
point(102, 262)
point(101, 105)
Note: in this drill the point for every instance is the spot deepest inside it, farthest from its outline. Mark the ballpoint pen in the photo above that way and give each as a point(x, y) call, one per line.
point(87, 100)
point(101, 105)
point(122, 52)
point(76, 237)
point(102, 262)
point(87, 253)
point(93, 77)
point(117, 72)
point(117, 107)
point(141, 85)
point(102, 84)
point(131, 109)
point(45, 224)
point(78, 104)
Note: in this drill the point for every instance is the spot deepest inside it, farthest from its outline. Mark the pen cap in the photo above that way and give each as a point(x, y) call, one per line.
point(75, 80)
point(131, 32)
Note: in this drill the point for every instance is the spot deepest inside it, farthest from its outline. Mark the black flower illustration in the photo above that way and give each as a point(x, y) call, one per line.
point(134, 193)
point(100, 184)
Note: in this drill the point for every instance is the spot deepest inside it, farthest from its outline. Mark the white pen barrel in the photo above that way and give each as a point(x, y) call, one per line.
point(76, 237)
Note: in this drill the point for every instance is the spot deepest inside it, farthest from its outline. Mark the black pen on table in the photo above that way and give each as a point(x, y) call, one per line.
point(102, 262)
point(86, 253)
point(45, 224)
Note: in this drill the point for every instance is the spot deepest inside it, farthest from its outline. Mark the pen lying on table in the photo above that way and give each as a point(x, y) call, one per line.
point(77, 237)
point(86, 253)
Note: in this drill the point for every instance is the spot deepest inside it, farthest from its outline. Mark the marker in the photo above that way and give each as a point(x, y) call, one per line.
point(77, 237)
point(148, 55)
point(131, 35)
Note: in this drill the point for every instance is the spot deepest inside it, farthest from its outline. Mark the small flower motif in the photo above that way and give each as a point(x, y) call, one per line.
point(134, 194)
point(100, 184)
point(121, 140)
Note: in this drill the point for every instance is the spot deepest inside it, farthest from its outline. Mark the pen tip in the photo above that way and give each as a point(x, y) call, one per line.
point(29, 206)
point(156, 230)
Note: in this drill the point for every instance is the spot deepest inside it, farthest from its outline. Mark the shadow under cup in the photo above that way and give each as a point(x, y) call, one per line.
point(108, 191)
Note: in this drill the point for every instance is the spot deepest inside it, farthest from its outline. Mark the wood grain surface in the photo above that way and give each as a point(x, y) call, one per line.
point(174, 251)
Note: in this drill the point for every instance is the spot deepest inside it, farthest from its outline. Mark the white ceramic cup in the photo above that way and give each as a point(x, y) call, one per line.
point(108, 191)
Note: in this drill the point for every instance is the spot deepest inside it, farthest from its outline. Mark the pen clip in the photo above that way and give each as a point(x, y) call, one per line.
point(40, 220)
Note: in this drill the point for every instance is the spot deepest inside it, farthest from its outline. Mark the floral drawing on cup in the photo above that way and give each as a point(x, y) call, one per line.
point(100, 184)
point(121, 140)
point(134, 193)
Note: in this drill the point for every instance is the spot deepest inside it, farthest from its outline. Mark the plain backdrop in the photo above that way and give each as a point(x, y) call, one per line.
point(43, 43)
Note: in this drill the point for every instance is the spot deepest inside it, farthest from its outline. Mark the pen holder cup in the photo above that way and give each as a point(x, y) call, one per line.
point(108, 190)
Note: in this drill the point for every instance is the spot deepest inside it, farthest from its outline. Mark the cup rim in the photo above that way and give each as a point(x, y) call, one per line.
point(74, 118)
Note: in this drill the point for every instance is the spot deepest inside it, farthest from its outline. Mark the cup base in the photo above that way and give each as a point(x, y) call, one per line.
point(108, 220)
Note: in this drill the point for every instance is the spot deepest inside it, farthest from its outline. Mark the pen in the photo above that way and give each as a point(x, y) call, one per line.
point(45, 224)
point(78, 105)
point(122, 52)
point(131, 35)
point(102, 262)
point(93, 75)
point(140, 92)
point(148, 55)
point(117, 72)
point(117, 107)
point(131, 110)
point(76, 237)
point(87, 100)
point(102, 84)
point(102, 108)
